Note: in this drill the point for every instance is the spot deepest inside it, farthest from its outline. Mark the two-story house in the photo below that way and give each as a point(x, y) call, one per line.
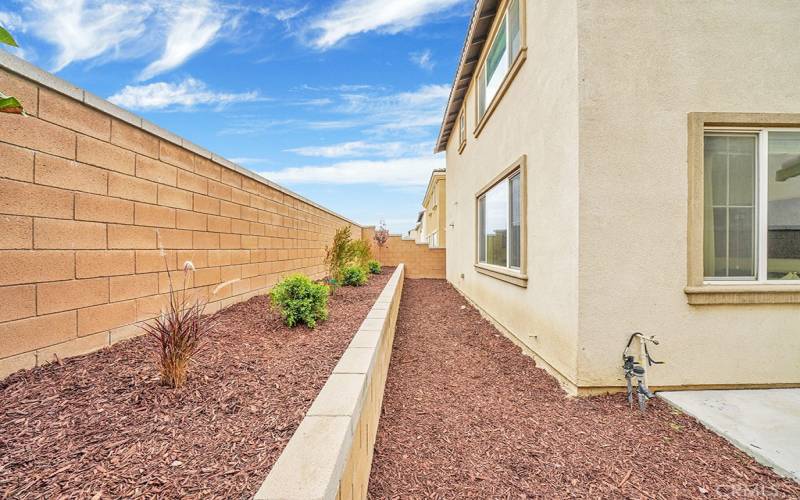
point(618, 166)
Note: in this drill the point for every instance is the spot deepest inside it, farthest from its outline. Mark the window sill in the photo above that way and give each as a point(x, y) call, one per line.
point(523, 54)
point(743, 294)
point(461, 147)
point(507, 275)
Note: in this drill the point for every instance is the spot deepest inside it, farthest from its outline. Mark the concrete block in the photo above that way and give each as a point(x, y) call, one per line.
point(312, 463)
point(373, 324)
point(366, 339)
point(16, 363)
point(355, 360)
point(342, 395)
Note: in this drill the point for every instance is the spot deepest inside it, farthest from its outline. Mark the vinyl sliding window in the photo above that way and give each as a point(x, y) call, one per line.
point(500, 224)
point(751, 208)
point(504, 49)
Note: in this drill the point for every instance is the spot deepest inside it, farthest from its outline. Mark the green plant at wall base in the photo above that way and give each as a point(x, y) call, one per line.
point(354, 276)
point(337, 256)
point(180, 332)
point(374, 266)
point(300, 300)
point(360, 254)
point(9, 104)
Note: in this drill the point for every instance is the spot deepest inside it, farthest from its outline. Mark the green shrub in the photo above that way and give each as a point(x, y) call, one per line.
point(354, 276)
point(300, 300)
point(360, 254)
point(374, 266)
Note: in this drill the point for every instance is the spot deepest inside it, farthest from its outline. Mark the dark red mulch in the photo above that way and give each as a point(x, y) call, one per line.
point(102, 426)
point(467, 415)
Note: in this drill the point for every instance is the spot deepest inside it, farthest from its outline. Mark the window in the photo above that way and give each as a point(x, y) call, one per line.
point(500, 211)
point(433, 240)
point(751, 208)
point(503, 51)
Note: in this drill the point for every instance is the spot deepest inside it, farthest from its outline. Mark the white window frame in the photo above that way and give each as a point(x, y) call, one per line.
point(761, 204)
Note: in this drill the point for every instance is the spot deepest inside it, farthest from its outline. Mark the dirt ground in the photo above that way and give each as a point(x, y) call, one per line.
point(101, 425)
point(466, 415)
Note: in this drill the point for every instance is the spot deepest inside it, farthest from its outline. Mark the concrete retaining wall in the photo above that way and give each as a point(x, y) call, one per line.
point(97, 205)
point(330, 453)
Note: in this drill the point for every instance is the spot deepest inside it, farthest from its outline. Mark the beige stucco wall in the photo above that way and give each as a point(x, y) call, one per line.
point(600, 109)
point(537, 117)
point(644, 66)
point(435, 206)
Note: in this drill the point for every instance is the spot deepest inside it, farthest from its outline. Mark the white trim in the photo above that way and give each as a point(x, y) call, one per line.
point(762, 202)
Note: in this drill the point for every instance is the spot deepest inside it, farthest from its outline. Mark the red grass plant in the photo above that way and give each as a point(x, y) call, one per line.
point(180, 332)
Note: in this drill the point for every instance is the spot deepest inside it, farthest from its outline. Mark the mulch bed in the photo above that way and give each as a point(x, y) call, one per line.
point(467, 415)
point(101, 425)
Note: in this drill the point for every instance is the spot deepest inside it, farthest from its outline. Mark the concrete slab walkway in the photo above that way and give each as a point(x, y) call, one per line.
point(765, 424)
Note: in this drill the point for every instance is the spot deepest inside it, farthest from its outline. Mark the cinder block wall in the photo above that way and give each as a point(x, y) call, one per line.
point(420, 260)
point(96, 207)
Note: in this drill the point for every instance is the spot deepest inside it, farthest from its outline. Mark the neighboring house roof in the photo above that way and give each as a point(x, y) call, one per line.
point(479, 26)
point(437, 175)
point(420, 216)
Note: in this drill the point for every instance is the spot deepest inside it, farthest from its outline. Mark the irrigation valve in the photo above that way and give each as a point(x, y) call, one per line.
point(636, 369)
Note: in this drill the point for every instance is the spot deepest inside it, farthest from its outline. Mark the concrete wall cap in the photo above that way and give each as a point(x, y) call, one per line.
point(341, 396)
point(161, 133)
point(108, 108)
point(366, 339)
point(198, 150)
point(373, 324)
point(356, 360)
point(31, 72)
point(312, 463)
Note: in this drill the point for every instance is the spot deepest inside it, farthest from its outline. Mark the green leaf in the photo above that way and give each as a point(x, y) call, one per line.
point(10, 105)
point(6, 38)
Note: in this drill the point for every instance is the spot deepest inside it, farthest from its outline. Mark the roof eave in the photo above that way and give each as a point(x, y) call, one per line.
point(480, 23)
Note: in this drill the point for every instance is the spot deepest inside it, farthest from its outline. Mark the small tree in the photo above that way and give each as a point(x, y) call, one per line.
point(338, 255)
point(381, 236)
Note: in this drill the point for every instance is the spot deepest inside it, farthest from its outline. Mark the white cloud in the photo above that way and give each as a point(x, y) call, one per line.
point(12, 22)
point(172, 31)
point(396, 172)
point(193, 26)
point(423, 59)
point(83, 30)
point(362, 148)
point(289, 14)
point(405, 111)
point(352, 17)
point(186, 94)
point(410, 113)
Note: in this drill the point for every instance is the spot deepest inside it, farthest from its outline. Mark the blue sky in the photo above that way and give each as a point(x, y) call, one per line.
point(338, 100)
